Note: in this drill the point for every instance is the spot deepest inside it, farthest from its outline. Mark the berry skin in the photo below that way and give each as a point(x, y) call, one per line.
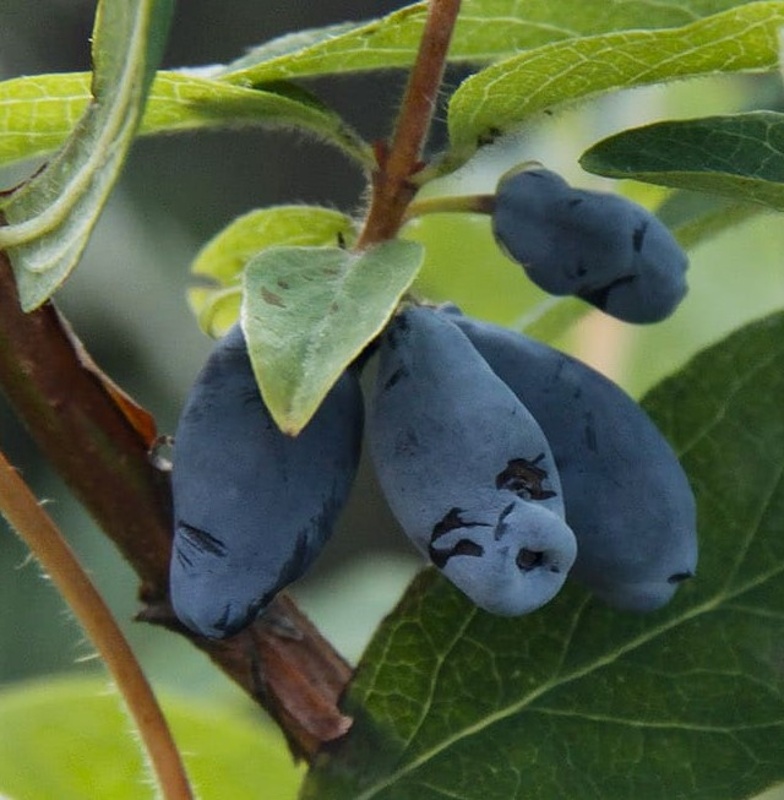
point(601, 247)
point(252, 506)
point(465, 467)
point(626, 496)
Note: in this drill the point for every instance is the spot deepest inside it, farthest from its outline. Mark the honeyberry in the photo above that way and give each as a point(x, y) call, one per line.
point(608, 250)
point(626, 496)
point(466, 469)
point(252, 506)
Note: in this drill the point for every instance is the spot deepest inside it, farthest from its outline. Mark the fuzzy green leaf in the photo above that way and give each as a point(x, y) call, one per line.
point(739, 156)
point(222, 260)
point(37, 113)
point(501, 98)
point(577, 700)
point(51, 216)
point(486, 31)
point(308, 312)
point(69, 739)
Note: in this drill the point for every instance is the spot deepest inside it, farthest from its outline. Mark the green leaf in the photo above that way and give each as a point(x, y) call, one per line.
point(576, 700)
point(51, 216)
point(695, 217)
point(241, 70)
point(222, 260)
point(486, 31)
point(501, 98)
point(38, 112)
point(553, 318)
point(70, 739)
point(740, 156)
point(464, 265)
point(308, 312)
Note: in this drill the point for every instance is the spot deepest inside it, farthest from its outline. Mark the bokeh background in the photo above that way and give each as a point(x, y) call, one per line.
point(127, 298)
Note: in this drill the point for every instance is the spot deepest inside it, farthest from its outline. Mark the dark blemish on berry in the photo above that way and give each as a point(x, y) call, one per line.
point(182, 558)
point(575, 202)
point(451, 521)
point(639, 235)
point(528, 560)
point(590, 433)
point(525, 479)
point(201, 540)
point(680, 577)
point(599, 297)
point(406, 443)
point(465, 547)
point(501, 528)
point(400, 372)
point(222, 623)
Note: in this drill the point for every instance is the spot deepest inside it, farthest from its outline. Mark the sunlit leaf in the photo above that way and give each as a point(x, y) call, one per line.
point(308, 312)
point(486, 31)
point(39, 112)
point(501, 98)
point(70, 739)
point(222, 260)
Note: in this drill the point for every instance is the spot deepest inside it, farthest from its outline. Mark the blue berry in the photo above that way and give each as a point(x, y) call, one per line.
point(609, 251)
point(466, 469)
point(626, 496)
point(252, 506)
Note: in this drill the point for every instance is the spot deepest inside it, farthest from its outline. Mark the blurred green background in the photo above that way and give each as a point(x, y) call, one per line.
point(127, 299)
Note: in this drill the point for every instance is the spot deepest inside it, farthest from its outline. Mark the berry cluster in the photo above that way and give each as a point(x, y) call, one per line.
point(509, 464)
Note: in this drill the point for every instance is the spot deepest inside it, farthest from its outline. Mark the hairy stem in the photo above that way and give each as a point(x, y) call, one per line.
point(465, 204)
point(19, 506)
point(393, 188)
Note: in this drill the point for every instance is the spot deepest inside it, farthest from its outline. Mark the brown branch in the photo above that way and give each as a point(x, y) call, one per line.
point(392, 185)
point(84, 434)
point(75, 418)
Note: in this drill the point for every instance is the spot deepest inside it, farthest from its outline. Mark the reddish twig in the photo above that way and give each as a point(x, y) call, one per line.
point(392, 185)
